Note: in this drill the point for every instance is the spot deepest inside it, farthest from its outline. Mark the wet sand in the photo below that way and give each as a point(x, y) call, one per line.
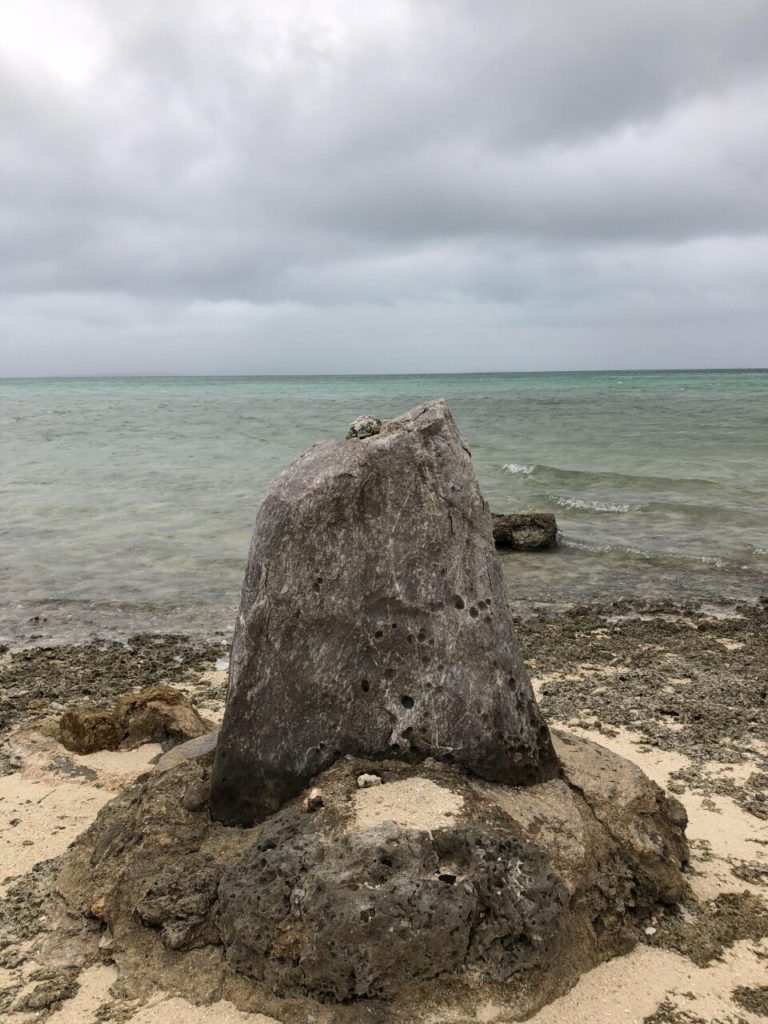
point(681, 692)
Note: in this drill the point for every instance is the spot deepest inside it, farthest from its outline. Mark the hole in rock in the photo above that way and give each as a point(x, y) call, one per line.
point(474, 612)
point(458, 602)
point(365, 686)
point(448, 758)
point(407, 702)
point(410, 638)
point(379, 634)
point(447, 878)
point(367, 913)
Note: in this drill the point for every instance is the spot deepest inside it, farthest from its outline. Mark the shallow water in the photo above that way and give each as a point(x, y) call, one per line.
point(128, 503)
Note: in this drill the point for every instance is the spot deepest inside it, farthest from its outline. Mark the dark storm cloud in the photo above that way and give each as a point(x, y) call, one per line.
point(334, 185)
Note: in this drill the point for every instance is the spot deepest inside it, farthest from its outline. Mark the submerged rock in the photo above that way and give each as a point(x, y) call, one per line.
point(525, 532)
point(374, 622)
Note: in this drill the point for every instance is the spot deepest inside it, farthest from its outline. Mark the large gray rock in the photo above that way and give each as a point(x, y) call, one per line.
point(374, 622)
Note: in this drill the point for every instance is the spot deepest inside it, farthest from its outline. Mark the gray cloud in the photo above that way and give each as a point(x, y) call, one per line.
point(337, 186)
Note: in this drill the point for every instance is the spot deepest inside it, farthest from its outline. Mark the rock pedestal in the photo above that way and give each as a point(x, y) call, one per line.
point(374, 623)
point(430, 892)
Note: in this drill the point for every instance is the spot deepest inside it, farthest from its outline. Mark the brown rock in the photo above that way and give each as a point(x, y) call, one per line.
point(157, 714)
point(85, 732)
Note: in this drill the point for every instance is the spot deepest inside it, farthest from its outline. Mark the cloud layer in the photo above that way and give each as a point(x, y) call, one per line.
point(410, 185)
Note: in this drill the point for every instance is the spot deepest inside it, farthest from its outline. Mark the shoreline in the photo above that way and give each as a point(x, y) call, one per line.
point(678, 690)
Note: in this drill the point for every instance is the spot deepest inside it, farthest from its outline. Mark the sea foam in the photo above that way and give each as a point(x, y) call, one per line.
point(587, 505)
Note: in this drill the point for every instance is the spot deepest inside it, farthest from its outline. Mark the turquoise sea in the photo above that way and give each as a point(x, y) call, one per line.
point(128, 503)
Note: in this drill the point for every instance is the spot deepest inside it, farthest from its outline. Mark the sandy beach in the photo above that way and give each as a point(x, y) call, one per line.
point(680, 692)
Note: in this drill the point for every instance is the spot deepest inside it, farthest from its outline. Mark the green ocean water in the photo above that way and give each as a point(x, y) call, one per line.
point(128, 503)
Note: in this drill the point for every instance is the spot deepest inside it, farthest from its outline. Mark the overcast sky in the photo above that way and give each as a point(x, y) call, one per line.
point(268, 186)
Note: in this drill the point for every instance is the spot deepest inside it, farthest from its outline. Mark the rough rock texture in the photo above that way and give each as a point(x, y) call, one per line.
point(374, 622)
point(156, 715)
point(523, 887)
point(530, 532)
point(85, 732)
point(364, 426)
point(362, 914)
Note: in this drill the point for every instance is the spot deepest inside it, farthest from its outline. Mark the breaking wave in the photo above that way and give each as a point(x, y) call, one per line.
point(585, 477)
point(588, 505)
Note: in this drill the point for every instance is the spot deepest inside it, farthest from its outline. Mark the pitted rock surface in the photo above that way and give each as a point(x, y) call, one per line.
point(376, 908)
point(374, 622)
point(475, 881)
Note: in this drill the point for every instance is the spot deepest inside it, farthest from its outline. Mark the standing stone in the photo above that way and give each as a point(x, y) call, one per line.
point(373, 622)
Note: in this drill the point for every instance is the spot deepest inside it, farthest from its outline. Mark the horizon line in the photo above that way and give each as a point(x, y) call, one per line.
point(402, 373)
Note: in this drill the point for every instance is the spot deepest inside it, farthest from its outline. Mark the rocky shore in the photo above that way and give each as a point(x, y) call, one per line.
point(680, 691)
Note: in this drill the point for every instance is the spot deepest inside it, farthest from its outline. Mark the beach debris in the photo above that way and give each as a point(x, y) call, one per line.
point(529, 532)
point(380, 555)
point(56, 985)
point(98, 908)
point(364, 426)
point(158, 714)
point(314, 799)
point(366, 780)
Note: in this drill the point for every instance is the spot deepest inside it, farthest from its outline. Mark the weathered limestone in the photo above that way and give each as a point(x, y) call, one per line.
point(452, 883)
point(525, 532)
point(374, 622)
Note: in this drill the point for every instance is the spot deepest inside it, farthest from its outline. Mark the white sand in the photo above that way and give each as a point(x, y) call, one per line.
point(44, 807)
point(411, 803)
point(630, 988)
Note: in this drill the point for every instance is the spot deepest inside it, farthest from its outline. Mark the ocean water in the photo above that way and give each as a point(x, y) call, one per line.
point(128, 503)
